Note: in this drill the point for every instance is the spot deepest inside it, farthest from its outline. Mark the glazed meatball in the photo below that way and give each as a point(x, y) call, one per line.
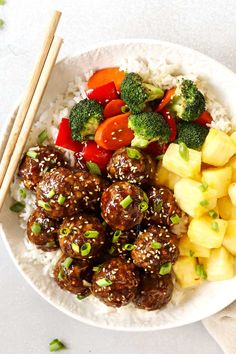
point(37, 161)
point(73, 275)
point(42, 231)
point(116, 282)
point(121, 242)
point(153, 292)
point(121, 205)
point(155, 248)
point(132, 165)
point(82, 236)
point(91, 186)
point(163, 209)
point(57, 195)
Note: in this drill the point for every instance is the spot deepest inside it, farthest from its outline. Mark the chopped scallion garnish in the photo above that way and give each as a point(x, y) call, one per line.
point(50, 244)
point(159, 157)
point(165, 268)
point(51, 193)
point(42, 136)
point(31, 153)
point(61, 274)
point(175, 219)
point(93, 168)
point(156, 245)
point(97, 268)
point(128, 247)
point(215, 226)
point(75, 247)
point(184, 151)
point(116, 236)
point(204, 203)
point(126, 202)
point(200, 271)
point(91, 234)
point(158, 206)
point(67, 262)
point(56, 345)
point(213, 214)
point(85, 249)
point(36, 228)
point(191, 253)
point(2, 2)
point(86, 283)
point(203, 187)
point(133, 153)
point(61, 199)
point(64, 231)
point(44, 205)
point(125, 109)
point(81, 297)
point(17, 207)
point(145, 197)
point(143, 206)
point(111, 250)
point(22, 193)
point(103, 282)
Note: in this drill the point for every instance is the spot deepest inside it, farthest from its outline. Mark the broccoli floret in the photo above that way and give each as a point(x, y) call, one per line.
point(188, 102)
point(84, 119)
point(136, 93)
point(148, 127)
point(192, 134)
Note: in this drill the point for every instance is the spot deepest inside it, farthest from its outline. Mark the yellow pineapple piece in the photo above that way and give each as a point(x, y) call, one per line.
point(193, 197)
point(218, 148)
point(229, 241)
point(219, 266)
point(226, 208)
point(233, 138)
point(165, 178)
point(232, 163)
point(207, 232)
point(232, 193)
point(175, 163)
point(218, 179)
point(185, 271)
point(187, 248)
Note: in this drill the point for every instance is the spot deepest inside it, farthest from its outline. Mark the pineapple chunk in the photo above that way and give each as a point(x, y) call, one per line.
point(226, 209)
point(207, 232)
point(173, 162)
point(185, 271)
point(187, 248)
point(229, 241)
point(218, 179)
point(192, 199)
point(232, 163)
point(165, 178)
point(220, 265)
point(218, 148)
point(233, 138)
point(232, 193)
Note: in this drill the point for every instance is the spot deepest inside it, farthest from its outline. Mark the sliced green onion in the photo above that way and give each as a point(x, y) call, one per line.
point(51, 193)
point(126, 202)
point(61, 199)
point(67, 262)
point(175, 219)
point(143, 206)
point(86, 283)
point(184, 151)
point(44, 205)
point(104, 224)
point(22, 193)
point(133, 153)
point(124, 109)
point(1, 23)
point(93, 168)
point(111, 250)
point(56, 345)
point(65, 231)
point(42, 136)
point(36, 228)
point(50, 244)
point(85, 249)
point(200, 271)
point(81, 297)
point(61, 274)
point(91, 234)
point(159, 157)
point(17, 207)
point(203, 187)
point(103, 282)
point(128, 247)
point(116, 236)
point(158, 206)
point(2, 2)
point(156, 245)
point(191, 253)
point(204, 203)
point(31, 153)
point(213, 214)
point(215, 226)
point(165, 268)
point(145, 197)
point(75, 247)
point(97, 268)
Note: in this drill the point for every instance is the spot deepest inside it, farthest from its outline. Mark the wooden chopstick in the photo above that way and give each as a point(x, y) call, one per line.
point(34, 105)
point(19, 120)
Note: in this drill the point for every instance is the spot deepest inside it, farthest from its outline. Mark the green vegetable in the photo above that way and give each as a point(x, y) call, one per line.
point(65, 231)
point(61, 199)
point(204, 203)
point(85, 249)
point(143, 206)
point(215, 226)
point(2, 2)
point(85, 117)
point(22, 193)
point(91, 234)
point(124, 109)
point(203, 187)
point(44, 205)
point(111, 250)
point(50, 244)
point(61, 274)
point(136, 93)
point(165, 268)
point(126, 202)
point(213, 214)
point(128, 247)
point(56, 345)
point(191, 253)
point(200, 271)
point(81, 297)
point(116, 236)
point(192, 134)
point(42, 136)
point(158, 206)
point(188, 102)
point(36, 228)
point(133, 153)
point(156, 245)
point(75, 247)
point(51, 193)
point(175, 219)
point(184, 151)
point(67, 262)
point(97, 268)
point(17, 207)
point(148, 127)
point(103, 282)
point(31, 153)
point(93, 168)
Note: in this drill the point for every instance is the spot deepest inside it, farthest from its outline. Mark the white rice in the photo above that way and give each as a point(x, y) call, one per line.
point(159, 72)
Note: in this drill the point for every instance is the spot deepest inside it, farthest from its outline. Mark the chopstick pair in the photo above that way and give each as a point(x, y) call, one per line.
point(29, 106)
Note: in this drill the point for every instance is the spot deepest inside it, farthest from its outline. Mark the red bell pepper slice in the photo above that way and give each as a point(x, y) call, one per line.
point(171, 122)
point(92, 152)
point(204, 119)
point(155, 149)
point(104, 93)
point(166, 99)
point(64, 138)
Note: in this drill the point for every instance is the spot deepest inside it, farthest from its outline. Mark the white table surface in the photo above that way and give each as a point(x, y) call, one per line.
point(27, 322)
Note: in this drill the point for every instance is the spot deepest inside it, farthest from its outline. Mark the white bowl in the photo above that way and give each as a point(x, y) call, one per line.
point(206, 299)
